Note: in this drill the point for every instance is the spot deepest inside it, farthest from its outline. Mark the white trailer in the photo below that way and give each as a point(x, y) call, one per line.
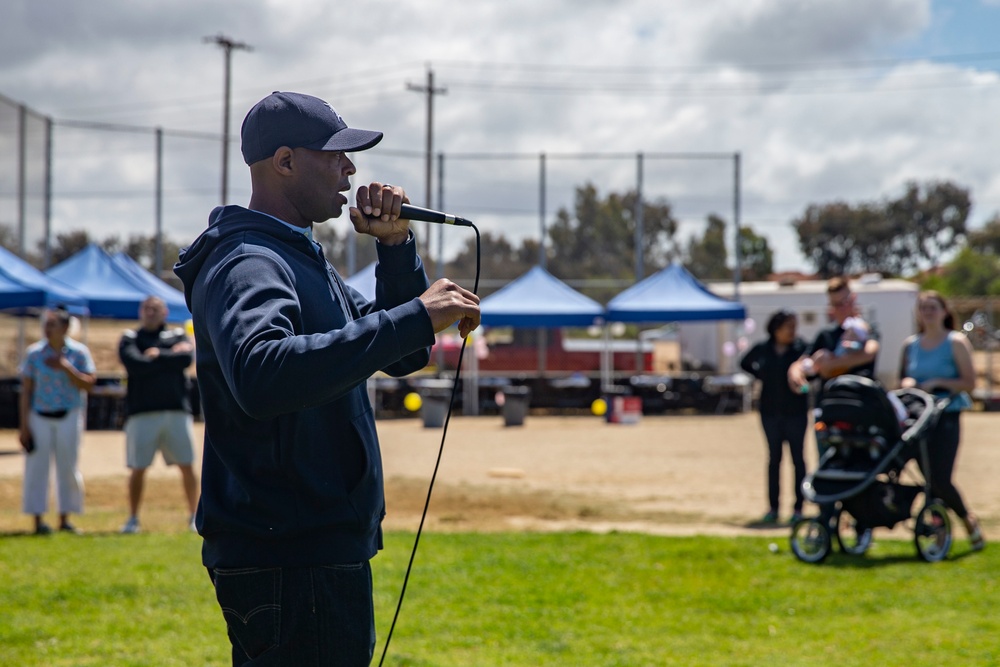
point(889, 305)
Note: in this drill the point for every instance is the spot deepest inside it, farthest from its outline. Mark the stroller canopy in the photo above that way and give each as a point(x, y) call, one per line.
point(859, 401)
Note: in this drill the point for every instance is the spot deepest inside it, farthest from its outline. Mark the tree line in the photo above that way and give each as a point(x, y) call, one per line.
point(921, 234)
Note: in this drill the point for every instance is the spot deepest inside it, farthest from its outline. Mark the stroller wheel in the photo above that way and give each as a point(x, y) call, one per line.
point(810, 540)
point(932, 532)
point(852, 538)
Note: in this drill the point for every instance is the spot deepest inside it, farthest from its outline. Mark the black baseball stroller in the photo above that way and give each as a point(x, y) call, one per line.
point(860, 479)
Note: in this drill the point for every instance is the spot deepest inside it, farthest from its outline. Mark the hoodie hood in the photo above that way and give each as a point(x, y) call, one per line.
point(223, 223)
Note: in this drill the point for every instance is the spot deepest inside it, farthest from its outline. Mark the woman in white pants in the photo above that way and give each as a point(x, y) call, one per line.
point(55, 373)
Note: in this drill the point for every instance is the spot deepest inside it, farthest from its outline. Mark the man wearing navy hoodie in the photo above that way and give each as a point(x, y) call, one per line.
point(292, 498)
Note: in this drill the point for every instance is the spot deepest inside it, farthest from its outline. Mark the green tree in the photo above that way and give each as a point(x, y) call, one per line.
point(143, 250)
point(335, 245)
point(756, 256)
point(501, 262)
point(706, 257)
point(65, 245)
point(828, 236)
point(895, 237)
point(597, 239)
point(970, 273)
point(8, 238)
point(986, 241)
point(927, 222)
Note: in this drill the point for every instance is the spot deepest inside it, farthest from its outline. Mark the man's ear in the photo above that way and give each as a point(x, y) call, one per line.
point(283, 160)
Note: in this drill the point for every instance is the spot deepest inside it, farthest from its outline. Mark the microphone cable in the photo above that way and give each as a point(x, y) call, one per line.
point(437, 463)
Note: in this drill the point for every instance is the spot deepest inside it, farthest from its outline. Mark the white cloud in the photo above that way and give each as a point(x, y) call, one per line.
point(522, 77)
point(768, 32)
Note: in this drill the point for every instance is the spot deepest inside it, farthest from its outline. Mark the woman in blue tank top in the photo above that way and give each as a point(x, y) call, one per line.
point(938, 360)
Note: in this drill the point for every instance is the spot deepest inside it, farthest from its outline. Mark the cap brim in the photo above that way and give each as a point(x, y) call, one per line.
point(349, 139)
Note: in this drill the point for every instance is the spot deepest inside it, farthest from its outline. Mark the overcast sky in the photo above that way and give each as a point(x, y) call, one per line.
point(824, 101)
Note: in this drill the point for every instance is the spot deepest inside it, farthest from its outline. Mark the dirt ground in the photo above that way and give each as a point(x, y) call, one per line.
point(665, 475)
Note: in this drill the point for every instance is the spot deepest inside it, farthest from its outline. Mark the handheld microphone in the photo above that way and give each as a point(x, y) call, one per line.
point(408, 212)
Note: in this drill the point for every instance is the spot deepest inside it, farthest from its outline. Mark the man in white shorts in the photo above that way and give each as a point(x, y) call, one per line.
point(158, 404)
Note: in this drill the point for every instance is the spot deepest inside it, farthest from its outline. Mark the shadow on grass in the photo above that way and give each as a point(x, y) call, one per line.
point(4, 534)
point(19, 533)
point(757, 524)
point(868, 562)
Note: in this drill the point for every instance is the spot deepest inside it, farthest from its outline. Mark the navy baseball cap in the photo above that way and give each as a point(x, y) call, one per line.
point(299, 121)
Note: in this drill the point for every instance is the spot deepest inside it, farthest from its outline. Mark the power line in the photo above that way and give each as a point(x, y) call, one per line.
point(815, 65)
point(134, 129)
point(124, 195)
point(752, 89)
point(359, 82)
point(363, 77)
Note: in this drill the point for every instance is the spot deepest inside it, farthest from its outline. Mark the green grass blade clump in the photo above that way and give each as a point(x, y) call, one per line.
point(526, 599)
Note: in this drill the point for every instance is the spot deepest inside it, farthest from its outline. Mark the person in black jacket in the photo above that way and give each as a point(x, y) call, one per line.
point(784, 412)
point(821, 359)
point(292, 496)
point(158, 404)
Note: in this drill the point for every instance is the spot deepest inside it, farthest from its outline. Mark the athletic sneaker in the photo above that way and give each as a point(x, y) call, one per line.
point(131, 526)
point(770, 517)
point(976, 540)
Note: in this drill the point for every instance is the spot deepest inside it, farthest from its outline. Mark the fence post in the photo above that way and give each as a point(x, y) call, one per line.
point(22, 158)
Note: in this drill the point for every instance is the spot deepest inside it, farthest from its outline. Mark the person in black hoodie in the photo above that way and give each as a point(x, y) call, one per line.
point(292, 491)
point(784, 411)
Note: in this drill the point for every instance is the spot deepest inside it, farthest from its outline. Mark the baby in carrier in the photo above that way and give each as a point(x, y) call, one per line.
point(856, 333)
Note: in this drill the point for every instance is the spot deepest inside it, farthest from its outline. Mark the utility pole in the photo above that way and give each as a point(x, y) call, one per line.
point(737, 252)
point(158, 249)
point(47, 213)
point(22, 179)
point(639, 214)
point(227, 45)
point(428, 169)
point(541, 210)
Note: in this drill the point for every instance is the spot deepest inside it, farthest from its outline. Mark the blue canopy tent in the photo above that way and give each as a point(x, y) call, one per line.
point(539, 299)
point(24, 287)
point(23, 290)
point(111, 290)
point(177, 309)
point(536, 299)
point(671, 295)
point(364, 281)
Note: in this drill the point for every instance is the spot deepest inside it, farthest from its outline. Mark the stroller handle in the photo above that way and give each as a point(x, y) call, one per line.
point(933, 407)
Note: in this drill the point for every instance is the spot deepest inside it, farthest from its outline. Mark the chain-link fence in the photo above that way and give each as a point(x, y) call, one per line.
point(25, 143)
point(91, 176)
point(113, 179)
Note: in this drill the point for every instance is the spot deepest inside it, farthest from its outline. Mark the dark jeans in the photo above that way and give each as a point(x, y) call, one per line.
point(301, 617)
point(942, 450)
point(779, 429)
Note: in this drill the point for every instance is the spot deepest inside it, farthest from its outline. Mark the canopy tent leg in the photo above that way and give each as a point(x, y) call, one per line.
point(606, 359)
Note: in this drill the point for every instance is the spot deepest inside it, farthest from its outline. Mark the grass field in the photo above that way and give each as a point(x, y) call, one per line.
point(526, 599)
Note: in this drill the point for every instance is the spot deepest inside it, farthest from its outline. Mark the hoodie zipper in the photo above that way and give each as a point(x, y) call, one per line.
point(334, 282)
